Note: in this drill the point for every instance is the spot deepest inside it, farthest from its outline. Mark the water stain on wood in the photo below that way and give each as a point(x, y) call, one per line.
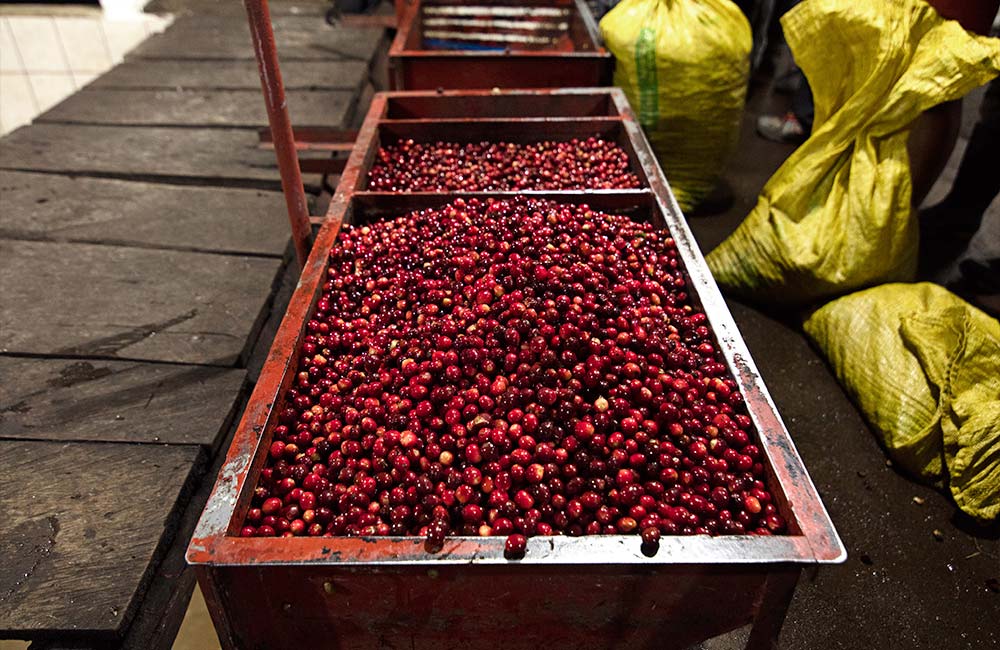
point(20, 407)
point(113, 344)
point(76, 373)
point(25, 548)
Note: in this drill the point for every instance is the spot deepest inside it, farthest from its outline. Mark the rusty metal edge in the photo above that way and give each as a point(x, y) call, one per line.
point(817, 542)
point(593, 30)
point(530, 54)
point(552, 550)
point(460, 92)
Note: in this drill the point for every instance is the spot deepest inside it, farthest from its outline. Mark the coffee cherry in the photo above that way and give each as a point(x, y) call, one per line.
point(409, 166)
point(515, 546)
point(509, 367)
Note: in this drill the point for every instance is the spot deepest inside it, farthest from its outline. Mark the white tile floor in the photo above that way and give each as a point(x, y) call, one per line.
point(48, 54)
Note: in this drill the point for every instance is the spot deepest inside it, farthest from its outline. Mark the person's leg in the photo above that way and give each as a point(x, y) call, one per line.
point(932, 138)
point(802, 106)
point(977, 182)
point(947, 228)
point(789, 127)
point(781, 128)
point(795, 125)
point(934, 133)
point(976, 187)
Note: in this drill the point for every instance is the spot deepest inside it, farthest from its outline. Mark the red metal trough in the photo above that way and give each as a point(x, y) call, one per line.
point(583, 592)
point(572, 57)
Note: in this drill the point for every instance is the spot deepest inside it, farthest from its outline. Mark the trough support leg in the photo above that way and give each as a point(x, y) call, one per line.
point(775, 599)
point(216, 607)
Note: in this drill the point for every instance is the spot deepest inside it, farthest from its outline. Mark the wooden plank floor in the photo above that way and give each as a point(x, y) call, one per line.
point(197, 107)
point(86, 300)
point(142, 238)
point(82, 529)
point(227, 157)
point(210, 8)
point(315, 8)
point(65, 208)
point(229, 75)
point(299, 38)
point(93, 400)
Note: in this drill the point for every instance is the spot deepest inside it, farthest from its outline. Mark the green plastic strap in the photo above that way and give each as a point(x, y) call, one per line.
point(645, 70)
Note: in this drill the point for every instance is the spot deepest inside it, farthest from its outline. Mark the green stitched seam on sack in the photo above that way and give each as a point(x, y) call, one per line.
point(645, 70)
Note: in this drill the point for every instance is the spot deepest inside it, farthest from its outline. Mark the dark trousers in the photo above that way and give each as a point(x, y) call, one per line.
point(802, 105)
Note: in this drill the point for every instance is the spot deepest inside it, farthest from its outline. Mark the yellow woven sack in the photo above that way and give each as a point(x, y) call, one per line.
point(924, 368)
point(836, 216)
point(683, 65)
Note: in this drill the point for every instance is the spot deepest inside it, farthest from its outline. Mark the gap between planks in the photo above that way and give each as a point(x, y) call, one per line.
point(173, 179)
point(14, 235)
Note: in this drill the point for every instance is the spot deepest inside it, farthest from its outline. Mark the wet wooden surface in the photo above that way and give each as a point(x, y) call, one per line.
point(197, 108)
point(83, 525)
point(220, 157)
point(299, 38)
point(229, 75)
point(212, 8)
point(85, 300)
point(64, 208)
point(95, 400)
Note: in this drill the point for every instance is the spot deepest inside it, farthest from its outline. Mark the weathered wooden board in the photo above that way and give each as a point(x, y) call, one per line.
point(219, 156)
point(83, 526)
point(116, 401)
point(166, 600)
point(223, 37)
point(67, 208)
point(198, 108)
point(131, 303)
point(232, 75)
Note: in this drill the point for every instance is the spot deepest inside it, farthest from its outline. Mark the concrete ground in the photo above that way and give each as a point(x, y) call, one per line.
point(919, 574)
